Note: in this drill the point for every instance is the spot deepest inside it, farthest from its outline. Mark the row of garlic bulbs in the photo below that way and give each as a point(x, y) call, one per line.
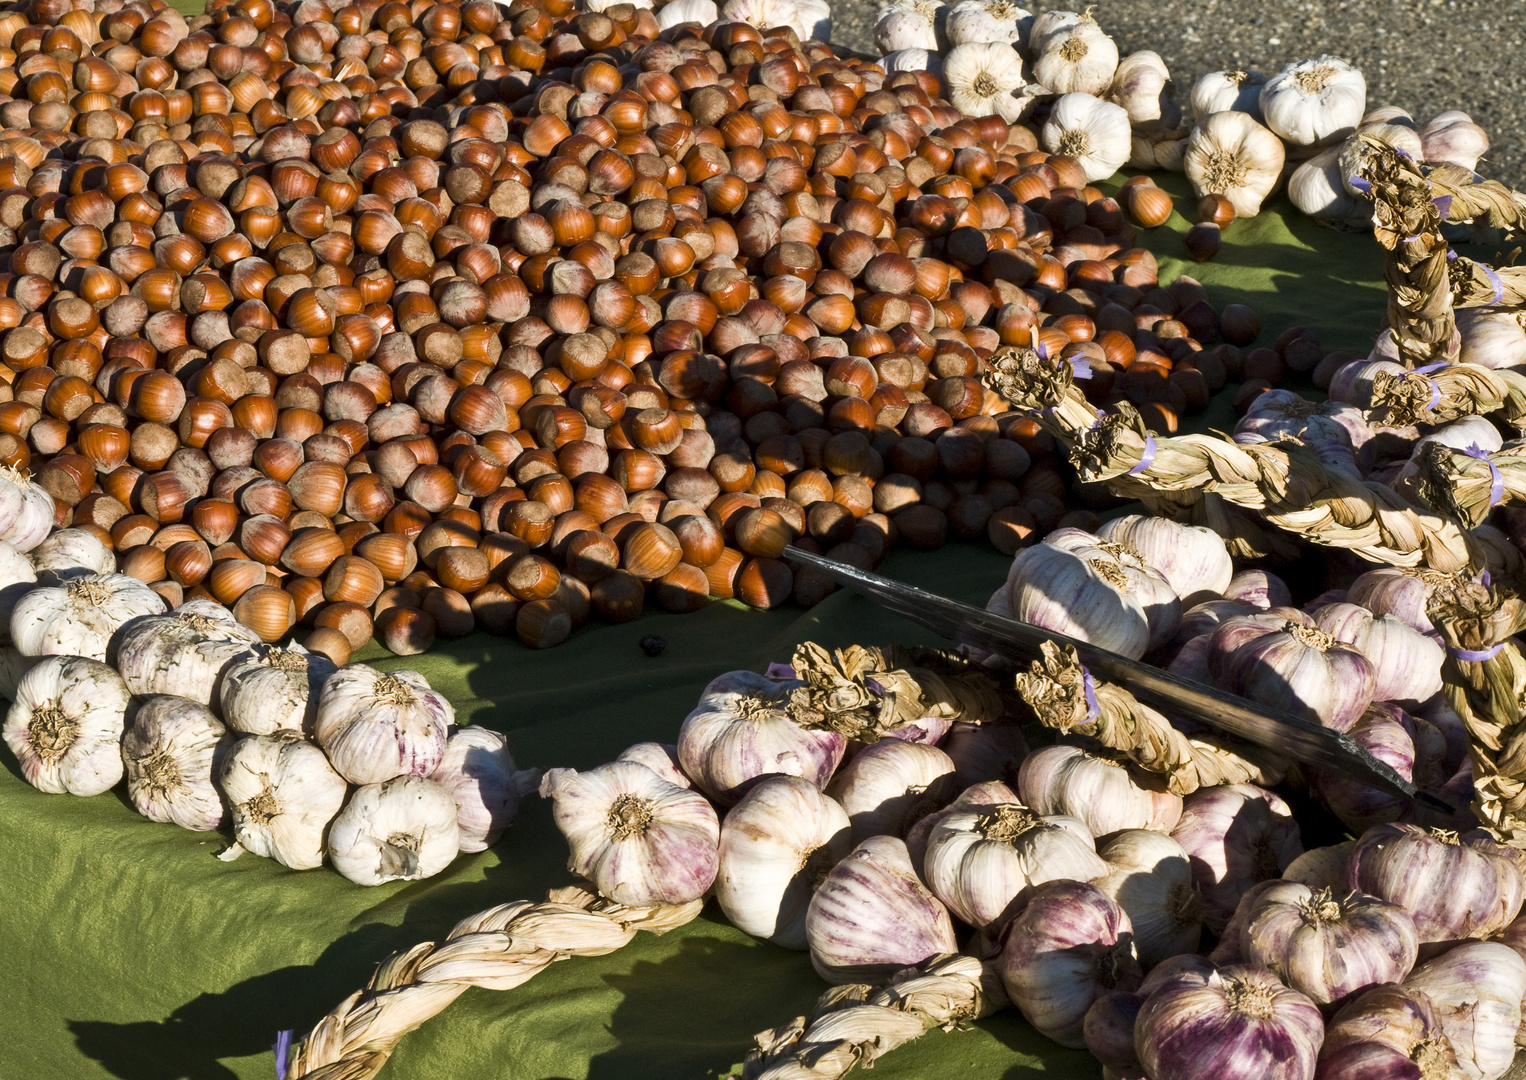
point(212, 727)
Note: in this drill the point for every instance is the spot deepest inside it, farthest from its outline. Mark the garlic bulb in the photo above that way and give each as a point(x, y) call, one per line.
point(1454, 138)
point(71, 553)
point(65, 726)
point(1406, 664)
point(980, 79)
point(1094, 132)
point(183, 653)
point(1070, 945)
point(1327, 945)
point(1150, 877)
point(1453, 888)
point(638, 838)
point(871, 916)
point(1476, 990)
point(1171, 154)
point(173, 751)
point(777, 845)
point(1492, 338)
point(1229, 154)
point(975, 797)
point(982, 752)
point(1283, 414)
point(1071, 54)
point(739, 732)
point(26, 510)
point(401, 830)
point(810, 19)
point(1235, 836)
point(269, 689)
point(907, 24)
point(1294, 666)
point(17, 578)
point(1401, 591)
point(1227, 91)
point(679, 12)
point(1108, 1030)
point(1142, 85)
point(984, 863)
point(283, 793)
point(1107, 796)
point(81, 617)
point(1384, 732)
point(375, 725)
point(890, 785)
point(1318, 188)
point(12, 667)
point(1193, 559)
point(978, 21)
point(1203, 619)
point(1389, 1031)
point(1228, 950)
point(479, 773)
point(661, 758)
point(1259, 588)
point(1314, 102)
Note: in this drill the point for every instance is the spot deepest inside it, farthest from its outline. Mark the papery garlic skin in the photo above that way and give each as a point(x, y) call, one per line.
point(1314, 102)
point(1356, 153)
point(1072, 54)
point(907, 24)
point(1403, 592)
point(1150, 877)
point(980, 79)
point(871, 916)
point(1103, 794)
point(283, 794)
point(183, 653)
point(173, 751)
point(1327, 945)
point(268, 689)
point(661, 758)
point(1192, 558)
point(984, 863)
point(1229, 154)
point(71, 553)
point(739, 732)
point(776, 847)
point(1070, 945)
point(1259, 588)
point(1142, 86)
point(890, 785)
point(81, 617)
point(26, 510)
point(1235, 1021)
point(1317, 188)
point(1094, 132)
point(638, 838)
point(65, 725)
point(401, 830)
point(1283, 414)
point(1476, 990)
point(1406, 664)
point(479, 773)
point(1388, 1031)
point(1235, 836)
point(1454, 138)
point(1127, 570)
point(376, 725)
point(1227, 91)
point(979, 21)
point(912, 60)
point(1231, 938)
point(679, 12)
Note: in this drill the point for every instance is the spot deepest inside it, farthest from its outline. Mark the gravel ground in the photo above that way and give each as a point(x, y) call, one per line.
point(1423, 55)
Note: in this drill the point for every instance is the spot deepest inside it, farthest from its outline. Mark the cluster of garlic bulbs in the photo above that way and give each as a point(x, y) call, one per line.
point(212, 728)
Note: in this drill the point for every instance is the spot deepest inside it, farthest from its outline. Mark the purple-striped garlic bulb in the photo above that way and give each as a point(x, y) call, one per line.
point(375, 725)
point(890, 785)
point(1384, 731)
point(975, 797)
point(1476, 990)
point(1388, 1033)
point(1228, 951)
point(1108, 796)
point(1235, 836)
point(1108, 1030)
point(1150, 877)
point(1067, 948)
point(1260, 589)
point(1204, 618)
point(661, 758)
point(1294, 666)
point(1406, 664)
point(1328, 945)
point(1401, 591)
point(1192, 558)
point(872, 916)
point(1284, 414)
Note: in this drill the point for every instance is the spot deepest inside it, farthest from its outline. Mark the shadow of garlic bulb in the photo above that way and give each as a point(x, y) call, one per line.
point(65, 726)
point(1229, 154)
point(1094, 132)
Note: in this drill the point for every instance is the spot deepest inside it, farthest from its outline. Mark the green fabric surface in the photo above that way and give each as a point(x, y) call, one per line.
point(133, 953)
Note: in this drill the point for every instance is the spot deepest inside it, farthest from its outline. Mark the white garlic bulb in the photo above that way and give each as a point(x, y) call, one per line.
point(1454, 138)
point(1072, 55)
point(890, 785)
point(375, 725)
point(283, 794)
point(1230, 154)
point(1317, 188)
point(679, 12)
point(71, 553)
point(638, 838)
point(981, 79)
point(1142, 86)
point(1150, 877)
point(268, 689)
point(1094, 132)
point(65, 726)
point(17, 578)
point(81, 617)
point(173, 750)
point(1314, 102)
point(808, 18)
point(182, 653)
point(26, 510)
point(777, 845)
point(401, 830)
point(1491, 337)
point(479, 773)
point(987, 20)
point(1171, 154)
point(661, 758)
point(12, 667)
point(1192, 558)
point(907, 24)
point(1107, 796)
point(912, 60)
point(1227, 91)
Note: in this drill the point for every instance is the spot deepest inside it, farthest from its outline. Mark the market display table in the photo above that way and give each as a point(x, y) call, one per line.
point(132, 952)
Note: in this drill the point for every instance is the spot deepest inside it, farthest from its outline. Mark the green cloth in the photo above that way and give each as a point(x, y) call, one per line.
point(133, 953)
